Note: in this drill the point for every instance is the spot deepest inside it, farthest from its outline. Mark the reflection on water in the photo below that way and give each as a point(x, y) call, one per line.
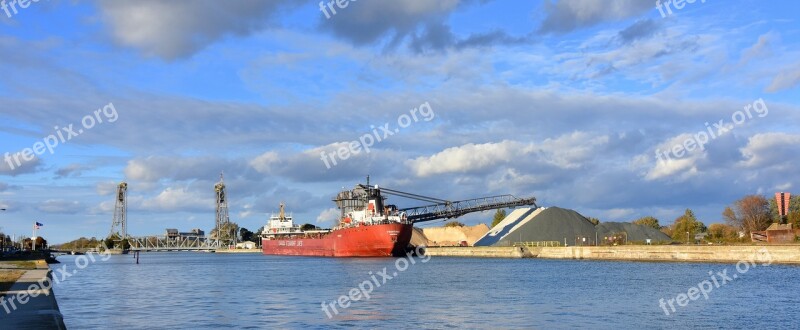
point(202, 290)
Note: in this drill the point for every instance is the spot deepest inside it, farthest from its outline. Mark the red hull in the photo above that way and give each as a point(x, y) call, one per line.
point(383, 240)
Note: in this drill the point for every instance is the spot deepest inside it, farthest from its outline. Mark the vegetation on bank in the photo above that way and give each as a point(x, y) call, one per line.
point(8, 277)
point(82, 243)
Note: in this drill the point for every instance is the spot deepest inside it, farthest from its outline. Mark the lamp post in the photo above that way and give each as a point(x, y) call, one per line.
point(687, 237)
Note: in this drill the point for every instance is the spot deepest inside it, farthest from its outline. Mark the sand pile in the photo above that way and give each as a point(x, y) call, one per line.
point(450, 236)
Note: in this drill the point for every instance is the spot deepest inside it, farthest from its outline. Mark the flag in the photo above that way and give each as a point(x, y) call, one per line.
point(38, 225)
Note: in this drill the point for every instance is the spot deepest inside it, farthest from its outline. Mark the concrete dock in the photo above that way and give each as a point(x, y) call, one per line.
point(780, 254)
point(27, 305)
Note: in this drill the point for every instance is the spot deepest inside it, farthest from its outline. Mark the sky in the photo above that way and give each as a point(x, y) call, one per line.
point(616, 109)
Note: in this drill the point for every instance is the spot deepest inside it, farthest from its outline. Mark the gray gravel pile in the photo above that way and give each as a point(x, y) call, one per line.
point(552, 224)
point(636, 233)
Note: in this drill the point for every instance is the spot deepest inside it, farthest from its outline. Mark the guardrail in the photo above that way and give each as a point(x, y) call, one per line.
point(538, 244)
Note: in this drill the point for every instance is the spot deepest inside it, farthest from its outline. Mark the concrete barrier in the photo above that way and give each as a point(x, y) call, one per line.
point(39, 312)
point(480, 252)
point(781, 254)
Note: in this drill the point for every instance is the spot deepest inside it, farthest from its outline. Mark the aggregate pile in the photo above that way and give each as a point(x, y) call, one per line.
point(636, 233)
point(544, 224)
point(558, 224)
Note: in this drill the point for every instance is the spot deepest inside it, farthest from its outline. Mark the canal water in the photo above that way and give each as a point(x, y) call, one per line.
point(192, 290)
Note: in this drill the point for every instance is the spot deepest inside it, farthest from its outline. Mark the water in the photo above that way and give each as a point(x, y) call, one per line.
point(207, 290)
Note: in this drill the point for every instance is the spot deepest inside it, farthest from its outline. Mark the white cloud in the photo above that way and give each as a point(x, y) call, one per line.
point(770, 149)
point(180, 199)
point(328, 216)
point(670, 164)
point(568, 15)
point(176, 29)
point(566, 152)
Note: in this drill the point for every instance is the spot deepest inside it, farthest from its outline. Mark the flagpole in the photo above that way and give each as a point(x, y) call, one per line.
point(33, 243)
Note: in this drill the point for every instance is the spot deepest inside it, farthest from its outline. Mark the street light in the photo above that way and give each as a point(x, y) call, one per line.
point(687, 237)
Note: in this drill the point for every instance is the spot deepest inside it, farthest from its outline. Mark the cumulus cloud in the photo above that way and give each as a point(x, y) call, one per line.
point(422, 24)
point(685, 164)
point(177, 29)
point(26, 167)
point(180, 199)
point(770, 149)
point(566, 152)
point(308, 165)
point(567, 15)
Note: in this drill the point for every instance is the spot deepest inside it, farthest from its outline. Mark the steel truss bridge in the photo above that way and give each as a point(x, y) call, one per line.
point(164, 243)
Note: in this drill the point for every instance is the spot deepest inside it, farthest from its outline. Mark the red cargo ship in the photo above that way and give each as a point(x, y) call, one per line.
point(366, 228)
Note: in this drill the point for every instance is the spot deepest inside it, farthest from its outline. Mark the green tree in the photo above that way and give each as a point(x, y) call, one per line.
point(687, 223)
point(648, 221)
point(308, 226)
point(499, 215)
point(593, 220)
point(227, 232)
point(454, 224)
point(720, 232)
point(246, 235)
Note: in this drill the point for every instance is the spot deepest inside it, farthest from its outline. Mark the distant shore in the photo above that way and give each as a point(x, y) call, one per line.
point(238, 251)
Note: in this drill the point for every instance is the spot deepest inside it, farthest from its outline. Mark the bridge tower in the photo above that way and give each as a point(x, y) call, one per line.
point(120, 224)
point(224, 232)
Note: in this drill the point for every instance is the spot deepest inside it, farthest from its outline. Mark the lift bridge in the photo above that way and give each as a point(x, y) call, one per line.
point(224, 233)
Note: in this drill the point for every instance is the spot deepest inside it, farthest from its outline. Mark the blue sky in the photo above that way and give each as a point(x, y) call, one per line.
point(568, 101)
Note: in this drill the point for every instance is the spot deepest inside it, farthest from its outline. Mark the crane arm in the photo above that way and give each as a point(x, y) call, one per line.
point(456, 209)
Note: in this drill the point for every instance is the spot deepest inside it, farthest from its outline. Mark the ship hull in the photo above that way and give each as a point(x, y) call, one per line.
point(384, 240)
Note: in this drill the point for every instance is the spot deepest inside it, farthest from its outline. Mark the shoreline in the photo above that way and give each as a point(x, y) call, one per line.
point(238, 251)
point(778, 254)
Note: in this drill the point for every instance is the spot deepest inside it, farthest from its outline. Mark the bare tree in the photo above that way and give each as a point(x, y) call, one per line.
point(751, 213)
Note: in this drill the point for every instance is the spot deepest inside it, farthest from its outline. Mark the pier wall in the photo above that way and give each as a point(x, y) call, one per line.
point(479, 252)
point(782, 254)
